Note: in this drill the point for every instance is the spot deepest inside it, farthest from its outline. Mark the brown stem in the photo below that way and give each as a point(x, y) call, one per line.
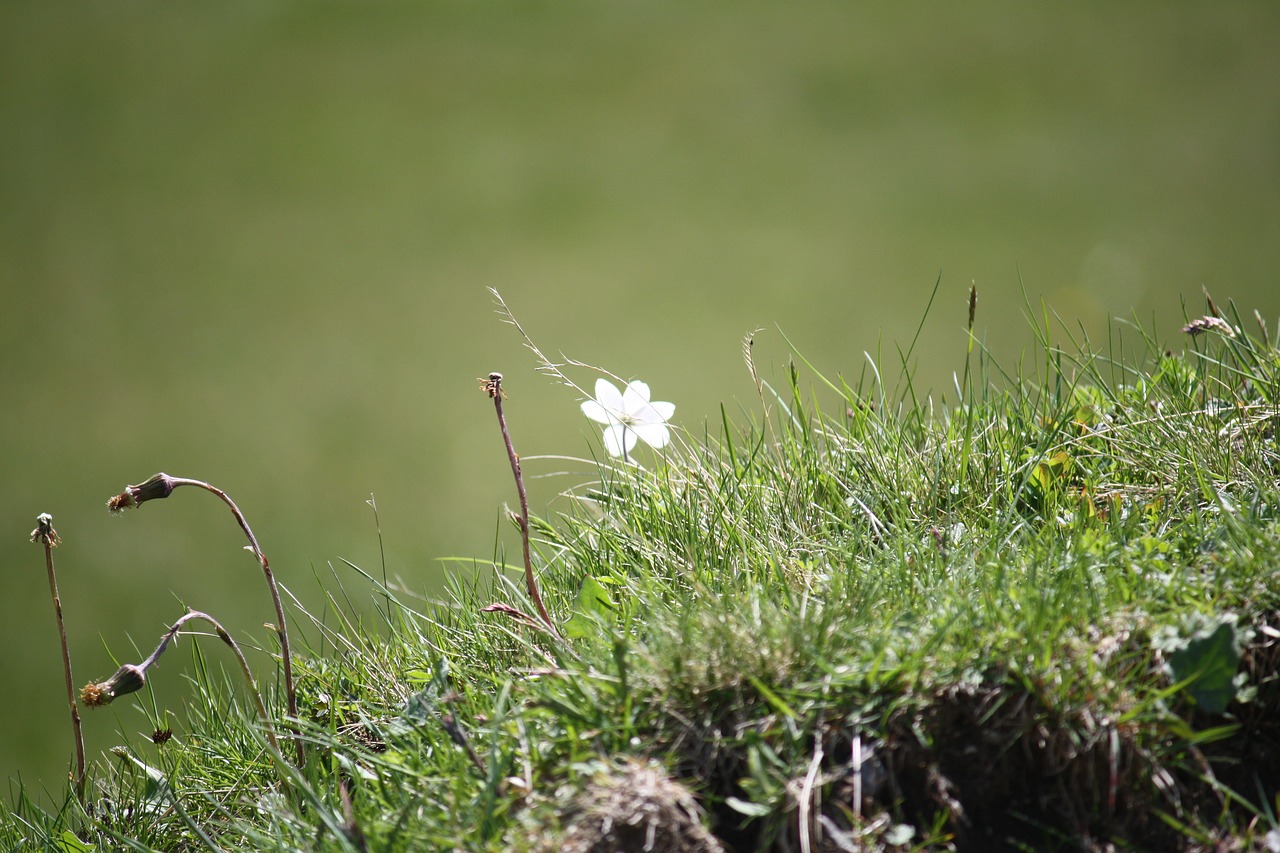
point(130, 677)
point(244, 668)
point(45, 534)
point(494, 387)
point(161, 486)
point(291, 696)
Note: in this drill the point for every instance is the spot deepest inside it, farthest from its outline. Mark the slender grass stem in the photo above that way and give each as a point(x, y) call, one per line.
point(382, 551)
point(47, 536)
point(352, 826)
point(493, 386)
point(966, 401)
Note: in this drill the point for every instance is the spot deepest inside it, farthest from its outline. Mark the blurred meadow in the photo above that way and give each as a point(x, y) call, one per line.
point(250, 242)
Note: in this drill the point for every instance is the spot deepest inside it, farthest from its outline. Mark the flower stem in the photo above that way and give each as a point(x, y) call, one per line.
point(46, 535)
point(161, 486)
point(130, 677)
point(261, 706)
point(291, 696)
point(494, 388)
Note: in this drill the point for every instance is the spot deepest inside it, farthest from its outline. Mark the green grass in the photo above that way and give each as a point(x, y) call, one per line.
point(1038, 611)
point(249, 241)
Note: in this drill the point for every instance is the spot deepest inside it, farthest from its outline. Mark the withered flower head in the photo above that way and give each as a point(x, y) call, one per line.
point(92, 695)
point(159, 486)
point(128, 679)
point(1209, 324)
point(44, 532)
point(493, 386)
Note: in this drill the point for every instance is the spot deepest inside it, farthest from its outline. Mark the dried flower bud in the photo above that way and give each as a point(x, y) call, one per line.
point(159, 486)
point(128, 679)
point(44, 532)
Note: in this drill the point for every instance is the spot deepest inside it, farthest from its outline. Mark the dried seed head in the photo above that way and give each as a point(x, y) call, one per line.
point(159, 486)
point(1209, 324)
point(128, 679)
point(44, 532)
point(493, 386)
point(91, 695)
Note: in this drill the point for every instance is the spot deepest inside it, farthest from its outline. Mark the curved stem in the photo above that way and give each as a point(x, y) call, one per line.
point(261, 706)
point(291, 697)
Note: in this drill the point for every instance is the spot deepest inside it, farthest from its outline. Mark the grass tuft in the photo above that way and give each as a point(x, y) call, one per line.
point(1039, 613)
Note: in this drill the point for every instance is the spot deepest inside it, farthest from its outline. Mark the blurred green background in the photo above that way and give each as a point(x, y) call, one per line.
point(249, 241)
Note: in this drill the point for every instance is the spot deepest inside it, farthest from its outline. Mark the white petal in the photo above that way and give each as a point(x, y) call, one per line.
point(648, 414)
point(608, 395)
point(635, 397)
point(643, 414)
point(654, 435)
point(598, 413)
point(664, 410)
point(619, 440)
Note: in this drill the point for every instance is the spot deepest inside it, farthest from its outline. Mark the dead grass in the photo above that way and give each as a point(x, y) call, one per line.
point(635, 807)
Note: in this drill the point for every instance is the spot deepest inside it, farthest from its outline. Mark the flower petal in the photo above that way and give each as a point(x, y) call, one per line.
point(608, 395)
point(646, 414)
point(635, 396)
point(598, 413)
point(665, 410)
point(653, 434)
point(619, 440)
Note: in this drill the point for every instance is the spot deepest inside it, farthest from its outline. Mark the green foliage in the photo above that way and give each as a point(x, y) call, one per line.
point(1204, 658)
point(1044, 611)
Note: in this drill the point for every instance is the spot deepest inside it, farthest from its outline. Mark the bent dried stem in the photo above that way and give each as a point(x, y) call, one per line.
point(130, 678)
point(161, 486)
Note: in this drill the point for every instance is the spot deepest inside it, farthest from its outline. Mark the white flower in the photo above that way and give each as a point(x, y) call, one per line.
point(628, 416)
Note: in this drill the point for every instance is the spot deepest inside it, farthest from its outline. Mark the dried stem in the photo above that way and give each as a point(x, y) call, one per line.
point(240, 657)
point(46, 535)
point(130, 677)
point(493, 386)
point(161, 486)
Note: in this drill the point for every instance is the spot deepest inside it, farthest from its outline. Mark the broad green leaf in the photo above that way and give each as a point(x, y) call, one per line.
point(595, 607)
point(1208, 660)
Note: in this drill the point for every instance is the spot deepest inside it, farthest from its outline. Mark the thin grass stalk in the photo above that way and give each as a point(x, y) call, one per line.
point(966, 395)
point(47, 536)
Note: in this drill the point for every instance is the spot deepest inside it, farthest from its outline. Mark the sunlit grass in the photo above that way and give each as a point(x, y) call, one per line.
point(1038, 611)
point(306, 199)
